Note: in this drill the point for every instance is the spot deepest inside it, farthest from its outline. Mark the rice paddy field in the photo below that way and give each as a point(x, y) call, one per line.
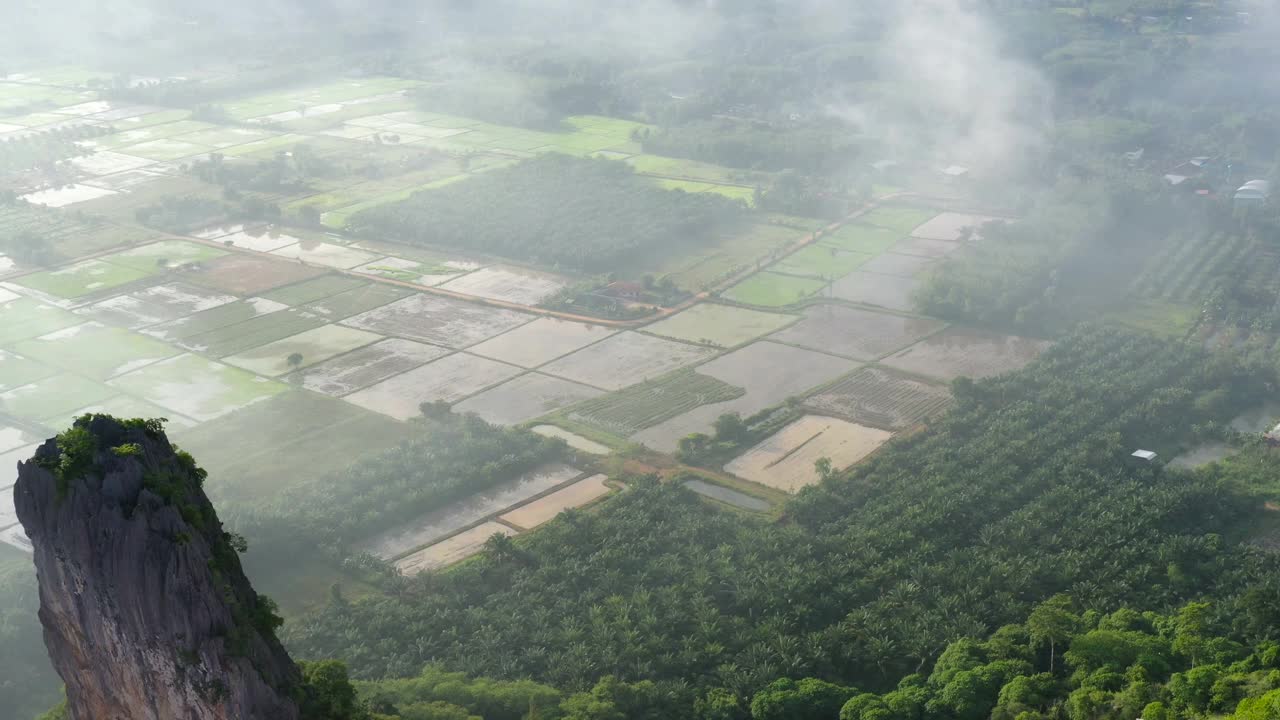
point(719, 325)
point(854, 333)
point(282, 350)
point(625, 359)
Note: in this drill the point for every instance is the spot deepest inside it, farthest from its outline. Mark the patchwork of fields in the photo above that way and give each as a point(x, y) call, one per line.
point(281, 351)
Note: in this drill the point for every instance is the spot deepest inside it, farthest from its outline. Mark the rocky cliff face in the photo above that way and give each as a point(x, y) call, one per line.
point(146, 612)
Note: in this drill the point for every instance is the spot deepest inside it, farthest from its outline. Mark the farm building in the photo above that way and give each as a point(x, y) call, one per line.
point(624, 290)
point(1143, 455)
point(1254, 192)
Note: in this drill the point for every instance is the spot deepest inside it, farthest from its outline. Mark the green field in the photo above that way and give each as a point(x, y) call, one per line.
point(646, 404)
point(84, 278)
point(820, 261)
point(164, 254)
point(899, 218)
point(16, 371)
point(96, 351)
point(314, 289)
point(284, 440)
point(26, 318)
point(706, 265)
point(721, 325)
point(773, 290)
point(260, 330)
point(861, 237)
point(54, 397)
point(196, 387)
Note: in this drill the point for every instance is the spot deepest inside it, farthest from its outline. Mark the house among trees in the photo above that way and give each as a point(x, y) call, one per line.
point(624, 290)
point(1143, 455)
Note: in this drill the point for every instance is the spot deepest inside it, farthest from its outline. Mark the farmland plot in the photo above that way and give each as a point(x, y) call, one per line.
point(887, 291)
point(240, 274)
point(625, 359)
point(154, 305)
point(309, 291)
point(197, 388)
point(357, 300)
point(957, 352)
point(13, 437)
point(524, 398)
point(308, 347)
point(438, 320)
point(924, 247)
point(573, 440)
point(727, 495)
point(164, 255)
point(454, 550)
point(858, 334)
point(860, 237)
point(774, 290)
point(722, 325)
point(447, 520)
point(368, 365)
point(547, 507)
point(95, 350)
point(900, 265)
point(414, 271)
point(881, 398)
point(770, 373)
point(249, 334)
point(16, 371)
point(649, 403)
point(327, 254)
point(214, 318)
point(27, 318)
point(123, 406)
point(821, 261)
point(899, 218)
point(66, 195)
point(9, 460)
point(52, 397)
point(260, 240)
point(786, 459)
point(81, 279)
point(448, 379)
point(107, 163)
point(541, 341)
point(951, 226)
point(514, 285)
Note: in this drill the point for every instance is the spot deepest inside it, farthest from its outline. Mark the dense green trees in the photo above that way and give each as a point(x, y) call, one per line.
point(452, 457)
point(594, 215)
point(1022, 492)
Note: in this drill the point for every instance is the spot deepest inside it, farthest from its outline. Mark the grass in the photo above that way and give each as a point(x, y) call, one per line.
point(861, 237)
point(818, 261)
point(646, 404)
point(773, 290)
point(1161, 318)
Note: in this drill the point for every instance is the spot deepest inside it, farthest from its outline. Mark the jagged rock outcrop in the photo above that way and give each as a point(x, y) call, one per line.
point(146, 612)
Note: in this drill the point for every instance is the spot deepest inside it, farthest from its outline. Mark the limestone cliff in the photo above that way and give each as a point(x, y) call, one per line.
point(146, 612)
